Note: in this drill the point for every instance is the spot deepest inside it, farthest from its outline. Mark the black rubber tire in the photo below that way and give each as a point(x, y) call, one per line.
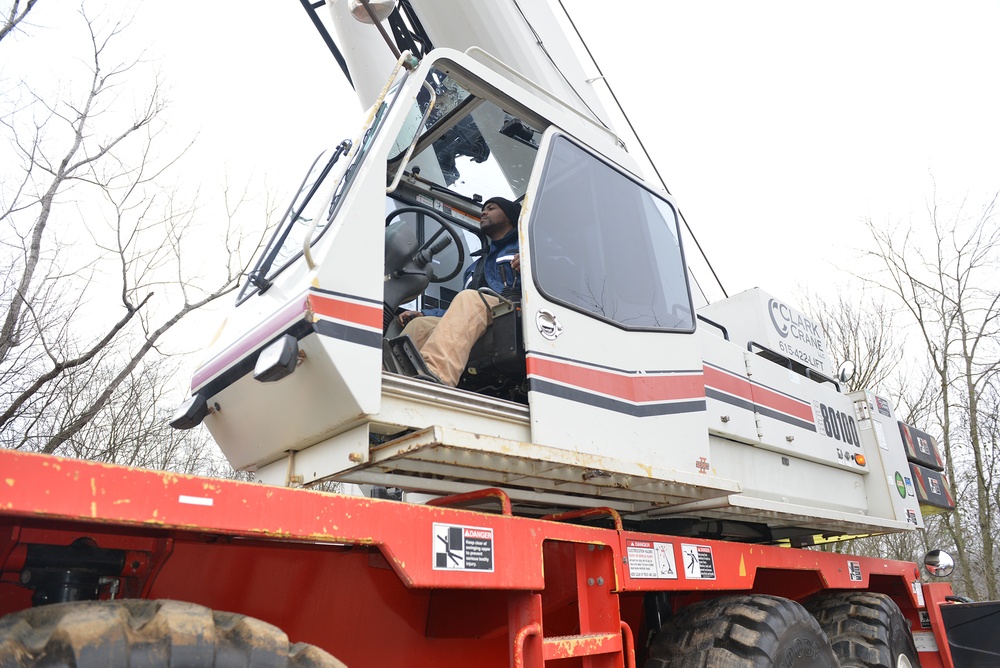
point(133, 632)
point(754, 631)
point(866, 630)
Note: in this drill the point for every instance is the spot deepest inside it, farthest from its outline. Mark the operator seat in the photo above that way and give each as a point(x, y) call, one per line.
point(496, 365)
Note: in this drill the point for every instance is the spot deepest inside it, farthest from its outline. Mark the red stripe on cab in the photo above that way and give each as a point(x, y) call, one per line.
point(359, 314)
point(780, 402)
point(728, 383)
point(634, 387)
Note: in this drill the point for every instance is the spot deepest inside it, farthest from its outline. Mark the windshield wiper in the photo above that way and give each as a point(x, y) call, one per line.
point(258, 277)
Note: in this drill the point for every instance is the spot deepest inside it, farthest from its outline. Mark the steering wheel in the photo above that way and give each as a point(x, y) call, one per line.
point(430, 247)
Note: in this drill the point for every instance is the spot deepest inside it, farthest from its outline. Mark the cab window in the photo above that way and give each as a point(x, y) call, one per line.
point(605, 245)
point(469, 146)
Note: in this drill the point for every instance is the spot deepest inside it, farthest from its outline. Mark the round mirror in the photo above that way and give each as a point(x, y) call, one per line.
point(846, 371)
point(381, 9)
point(939, 563)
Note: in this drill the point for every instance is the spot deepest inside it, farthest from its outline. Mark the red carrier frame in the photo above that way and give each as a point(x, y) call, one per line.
point(372, 581)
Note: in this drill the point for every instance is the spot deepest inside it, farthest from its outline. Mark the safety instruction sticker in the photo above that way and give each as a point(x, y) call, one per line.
point(924, 641)
point(918, 592)
point(650, 560)
point(880, 436)
point(462, 548)
point(854, 570)
point(698, 562)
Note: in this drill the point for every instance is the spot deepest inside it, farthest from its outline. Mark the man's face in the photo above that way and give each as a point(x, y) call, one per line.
point(494, 222)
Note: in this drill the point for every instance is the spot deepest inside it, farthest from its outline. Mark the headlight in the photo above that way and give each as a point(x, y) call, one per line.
point(277, 360)
point(190, 413)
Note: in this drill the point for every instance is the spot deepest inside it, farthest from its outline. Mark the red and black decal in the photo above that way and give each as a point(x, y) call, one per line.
point(739, 391)
point(339, 317)
point(335, 315)
point(728, 387)
point(636, 393)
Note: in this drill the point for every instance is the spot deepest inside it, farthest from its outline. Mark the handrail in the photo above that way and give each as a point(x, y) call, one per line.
point(533, 629)
point(725, 332)
point(491, 492)
point(810, 373)
point(587, 512)
point(822, 377)
point(416, 137)
point(629, 645)
point(788, 361)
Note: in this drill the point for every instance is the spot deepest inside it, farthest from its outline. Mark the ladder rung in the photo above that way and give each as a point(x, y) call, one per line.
point(565, 647)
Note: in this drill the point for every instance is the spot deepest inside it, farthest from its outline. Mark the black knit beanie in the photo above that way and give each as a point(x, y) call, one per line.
point(512, 209)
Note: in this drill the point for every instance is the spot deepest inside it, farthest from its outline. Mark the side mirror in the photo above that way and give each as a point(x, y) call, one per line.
point(939, 564)
point(846, 371)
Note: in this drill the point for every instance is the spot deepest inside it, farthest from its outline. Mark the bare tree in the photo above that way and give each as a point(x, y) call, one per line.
point(944, 275)
point(91, 216)
point(859, 328)
point(15, 15)
point(132, 429)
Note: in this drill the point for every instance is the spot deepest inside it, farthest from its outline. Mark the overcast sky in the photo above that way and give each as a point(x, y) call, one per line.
point(778, 126)
point(781, 126)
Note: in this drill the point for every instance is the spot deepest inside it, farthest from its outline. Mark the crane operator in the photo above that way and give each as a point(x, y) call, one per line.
point(445, 338)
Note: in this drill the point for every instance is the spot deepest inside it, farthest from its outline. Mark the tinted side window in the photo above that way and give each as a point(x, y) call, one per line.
point(605, 245)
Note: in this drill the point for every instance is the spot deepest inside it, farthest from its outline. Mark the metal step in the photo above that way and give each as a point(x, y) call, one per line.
point(592, 644)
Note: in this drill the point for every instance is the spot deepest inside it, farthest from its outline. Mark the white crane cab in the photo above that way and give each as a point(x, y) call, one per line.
point(597, 386)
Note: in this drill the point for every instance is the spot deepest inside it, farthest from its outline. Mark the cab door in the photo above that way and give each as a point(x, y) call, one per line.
point(614, 368)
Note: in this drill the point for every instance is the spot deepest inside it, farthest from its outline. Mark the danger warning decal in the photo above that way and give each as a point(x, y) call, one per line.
point(651, 561)
point(461, 548)
point(698, 562)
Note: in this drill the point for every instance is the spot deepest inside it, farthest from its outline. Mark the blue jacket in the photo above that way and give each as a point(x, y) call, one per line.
point(497, 272)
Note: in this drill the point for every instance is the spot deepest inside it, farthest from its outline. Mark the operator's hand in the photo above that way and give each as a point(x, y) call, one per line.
point(515, 262)
point(406, 316)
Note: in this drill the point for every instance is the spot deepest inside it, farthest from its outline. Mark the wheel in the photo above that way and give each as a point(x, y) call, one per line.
point(134, 632)
point(742, 632)
point(394, 263)
point(866, 629)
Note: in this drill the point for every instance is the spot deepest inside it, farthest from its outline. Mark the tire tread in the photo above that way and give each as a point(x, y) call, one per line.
point(732, 632)
point(138, 632)
point(866, 629)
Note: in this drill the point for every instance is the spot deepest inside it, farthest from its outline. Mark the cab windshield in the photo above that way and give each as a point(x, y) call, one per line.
point(315, 204)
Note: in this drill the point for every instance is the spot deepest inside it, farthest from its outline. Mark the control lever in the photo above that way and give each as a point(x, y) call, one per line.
point(425, 254)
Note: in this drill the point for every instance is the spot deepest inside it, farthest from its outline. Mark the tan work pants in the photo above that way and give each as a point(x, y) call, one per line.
point(445, 342)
